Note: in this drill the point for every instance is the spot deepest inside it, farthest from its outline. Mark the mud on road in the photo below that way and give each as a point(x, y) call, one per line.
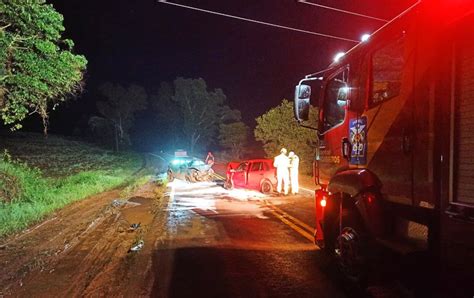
point(84, 249)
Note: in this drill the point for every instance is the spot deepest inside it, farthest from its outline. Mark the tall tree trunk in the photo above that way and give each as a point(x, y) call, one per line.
point(116, 138)
point(44, 117)
point(45, 127)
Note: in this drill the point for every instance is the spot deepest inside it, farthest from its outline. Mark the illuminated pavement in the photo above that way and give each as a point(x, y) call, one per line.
point(237, 243)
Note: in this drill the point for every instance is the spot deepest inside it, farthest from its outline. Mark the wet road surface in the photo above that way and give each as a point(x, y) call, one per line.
point(200, 240)
point(237, 243)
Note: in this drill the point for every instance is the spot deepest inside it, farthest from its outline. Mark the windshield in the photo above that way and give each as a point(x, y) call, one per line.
point(335, 101)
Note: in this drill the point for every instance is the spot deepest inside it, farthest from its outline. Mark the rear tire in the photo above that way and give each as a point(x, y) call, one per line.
point(346, 249)
point(350, 256)
point(266, 187)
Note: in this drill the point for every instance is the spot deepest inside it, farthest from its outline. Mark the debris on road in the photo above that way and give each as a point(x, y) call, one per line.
point(137, 247)
point(134, 226)
point(118, 203)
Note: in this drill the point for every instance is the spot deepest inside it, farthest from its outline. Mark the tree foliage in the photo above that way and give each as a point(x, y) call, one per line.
point(119, 108)
point(168, 115)
point(192, 112)
point(234, 136)
point(38, 69)
point(278, 129)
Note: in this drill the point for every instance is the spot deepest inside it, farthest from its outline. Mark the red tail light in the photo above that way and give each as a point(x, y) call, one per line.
point(323, 202)
point(370, 197)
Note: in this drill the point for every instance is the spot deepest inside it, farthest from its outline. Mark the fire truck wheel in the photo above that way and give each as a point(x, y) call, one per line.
point(347, 249)
point(350, 255)
point(266, 187)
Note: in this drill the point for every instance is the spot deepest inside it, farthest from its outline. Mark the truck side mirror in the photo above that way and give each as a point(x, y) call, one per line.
point(346, 148)
point(302, 102)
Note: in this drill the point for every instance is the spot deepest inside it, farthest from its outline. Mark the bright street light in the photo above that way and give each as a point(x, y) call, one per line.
point(365, 37)
point(338, 56)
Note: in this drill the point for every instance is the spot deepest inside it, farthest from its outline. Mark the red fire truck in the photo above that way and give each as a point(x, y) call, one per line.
point(395, 131)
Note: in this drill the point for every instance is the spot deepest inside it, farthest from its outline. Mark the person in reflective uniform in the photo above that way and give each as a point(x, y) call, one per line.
point(294, 164)
point(281, 163)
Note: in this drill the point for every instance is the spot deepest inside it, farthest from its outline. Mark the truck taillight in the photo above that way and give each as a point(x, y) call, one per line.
point(370, 197)
point(323, 202)
point(321, 197)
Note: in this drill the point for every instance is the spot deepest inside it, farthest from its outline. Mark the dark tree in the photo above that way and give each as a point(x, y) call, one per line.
point(38, 69)
point(193, 112)
point(119, 108)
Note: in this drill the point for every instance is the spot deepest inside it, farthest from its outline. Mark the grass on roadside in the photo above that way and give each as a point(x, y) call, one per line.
point(27, 194)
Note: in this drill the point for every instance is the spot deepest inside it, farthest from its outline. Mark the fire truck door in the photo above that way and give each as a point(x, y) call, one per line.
point(390, 118)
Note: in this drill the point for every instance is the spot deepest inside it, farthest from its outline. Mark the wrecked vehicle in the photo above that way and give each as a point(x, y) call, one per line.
point(253, 174)
point(190, 169)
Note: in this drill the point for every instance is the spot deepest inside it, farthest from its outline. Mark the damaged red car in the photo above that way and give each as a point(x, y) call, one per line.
point(259, 174)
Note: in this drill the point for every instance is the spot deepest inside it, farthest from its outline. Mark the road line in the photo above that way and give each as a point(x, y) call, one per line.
point(293, 226)
point(295, 220)
point(307, 189)
point(218, 176)
point(304, 229)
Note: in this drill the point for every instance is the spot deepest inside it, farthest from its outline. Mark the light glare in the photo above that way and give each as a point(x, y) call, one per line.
point(338, 56)
point(365, 37)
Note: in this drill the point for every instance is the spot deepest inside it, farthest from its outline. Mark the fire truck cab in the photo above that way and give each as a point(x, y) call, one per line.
point(395, 160)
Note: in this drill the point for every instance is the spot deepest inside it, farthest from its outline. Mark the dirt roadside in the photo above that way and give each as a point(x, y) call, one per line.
point(83, 249)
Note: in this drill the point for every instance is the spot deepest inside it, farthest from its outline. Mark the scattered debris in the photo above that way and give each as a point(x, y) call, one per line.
point(137, 247)
point(117, 203)
point(134, 226)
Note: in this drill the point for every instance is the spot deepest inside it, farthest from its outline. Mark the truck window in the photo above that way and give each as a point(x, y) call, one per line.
point(387, 70)
point(335, 100)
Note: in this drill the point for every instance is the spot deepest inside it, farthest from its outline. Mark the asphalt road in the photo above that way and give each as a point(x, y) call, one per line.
point(238, 243)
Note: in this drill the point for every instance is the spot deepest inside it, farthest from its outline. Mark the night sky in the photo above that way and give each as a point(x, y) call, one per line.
point(146, 42)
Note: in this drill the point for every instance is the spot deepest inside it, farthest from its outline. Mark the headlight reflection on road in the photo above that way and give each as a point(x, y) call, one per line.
point(214, 199)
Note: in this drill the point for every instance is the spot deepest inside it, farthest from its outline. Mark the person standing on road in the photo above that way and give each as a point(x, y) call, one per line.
point(294, 164)
point(281, 163)
point(209, 159)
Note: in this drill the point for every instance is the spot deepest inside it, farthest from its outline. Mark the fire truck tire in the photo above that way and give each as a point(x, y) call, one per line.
point(266, 187)
point(350, 255)
point(348, 248)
